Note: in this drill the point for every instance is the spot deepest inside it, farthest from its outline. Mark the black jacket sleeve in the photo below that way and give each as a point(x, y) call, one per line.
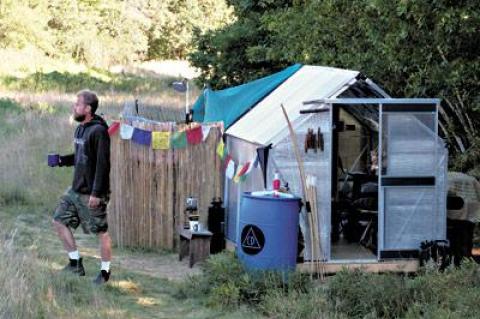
point(67, 160)
point(101, 182)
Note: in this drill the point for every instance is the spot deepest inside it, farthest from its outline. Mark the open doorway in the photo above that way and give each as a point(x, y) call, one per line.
point(354, 182)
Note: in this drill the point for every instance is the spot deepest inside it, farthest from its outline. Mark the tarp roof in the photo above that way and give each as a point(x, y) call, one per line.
point(230, 104)
point(265, 123)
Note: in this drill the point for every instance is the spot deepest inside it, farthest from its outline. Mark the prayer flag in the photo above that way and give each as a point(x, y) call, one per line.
point(205, 131)
point(160, 140)
point(194, 135)
point(251, 164)
point(230, 171)
point(113, 128)
point(141, 136)
point(262, 153)
point(244, 169)
point(178, 140)
point(236, 179)
point(126, 131)
point(221, 149)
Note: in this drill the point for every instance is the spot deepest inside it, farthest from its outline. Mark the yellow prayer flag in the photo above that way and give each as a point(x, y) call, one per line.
point(236, 179)
point(160, 140)
point(220, 149)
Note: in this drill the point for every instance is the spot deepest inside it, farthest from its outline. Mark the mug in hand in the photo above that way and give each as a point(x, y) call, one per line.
point(53, 159)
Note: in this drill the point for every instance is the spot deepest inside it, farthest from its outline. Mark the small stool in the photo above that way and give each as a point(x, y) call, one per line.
point(194, 244)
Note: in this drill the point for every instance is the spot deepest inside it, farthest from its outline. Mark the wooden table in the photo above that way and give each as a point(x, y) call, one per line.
point(194, 244)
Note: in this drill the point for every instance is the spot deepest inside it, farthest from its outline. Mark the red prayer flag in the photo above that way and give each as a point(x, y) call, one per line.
point(194, 135)
point(114, 128)
point(244, 169)
point(228, 158)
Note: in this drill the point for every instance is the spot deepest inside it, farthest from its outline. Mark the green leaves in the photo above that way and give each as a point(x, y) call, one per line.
point(101, 33)
point(411, 48)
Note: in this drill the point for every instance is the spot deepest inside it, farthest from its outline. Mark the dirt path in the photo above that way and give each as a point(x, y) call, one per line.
point(161, 265)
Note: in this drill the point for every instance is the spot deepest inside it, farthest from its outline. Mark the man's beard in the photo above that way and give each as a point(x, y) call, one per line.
point(79, 117)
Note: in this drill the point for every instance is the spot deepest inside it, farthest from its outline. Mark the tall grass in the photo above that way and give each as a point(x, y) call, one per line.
point(27, 137)
point(31, 288)
point(225, 283)
point(34, 124)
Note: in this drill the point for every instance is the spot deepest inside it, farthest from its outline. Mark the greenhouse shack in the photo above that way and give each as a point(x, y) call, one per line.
point(377, 165)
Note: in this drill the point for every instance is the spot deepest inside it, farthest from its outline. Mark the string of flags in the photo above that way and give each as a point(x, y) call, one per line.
point(236, 172)
point(165, 140)
point(161, 140)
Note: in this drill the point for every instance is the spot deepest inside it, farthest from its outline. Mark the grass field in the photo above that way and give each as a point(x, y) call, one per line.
point(34, 120)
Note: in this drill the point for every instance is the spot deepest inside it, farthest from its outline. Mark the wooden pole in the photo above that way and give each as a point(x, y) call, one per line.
point(293, 138)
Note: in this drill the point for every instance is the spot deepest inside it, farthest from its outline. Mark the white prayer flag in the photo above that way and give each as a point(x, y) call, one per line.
point(230, 171)
point(205, 131)
point(126, 131)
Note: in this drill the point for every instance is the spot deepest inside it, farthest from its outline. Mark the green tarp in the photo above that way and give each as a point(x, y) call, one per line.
point(230, 104)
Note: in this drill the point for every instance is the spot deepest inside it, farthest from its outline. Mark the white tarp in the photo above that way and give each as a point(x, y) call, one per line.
point(265, 123)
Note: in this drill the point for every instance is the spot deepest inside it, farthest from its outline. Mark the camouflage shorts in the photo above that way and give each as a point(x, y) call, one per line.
point(73, 210)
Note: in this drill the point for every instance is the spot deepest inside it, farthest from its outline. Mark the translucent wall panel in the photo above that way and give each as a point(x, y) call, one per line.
point(409, 144)
point(316, 164)
point(415, 211)
point(409, 216)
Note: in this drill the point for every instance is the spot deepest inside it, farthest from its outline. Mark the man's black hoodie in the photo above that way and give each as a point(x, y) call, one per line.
point(91, 158)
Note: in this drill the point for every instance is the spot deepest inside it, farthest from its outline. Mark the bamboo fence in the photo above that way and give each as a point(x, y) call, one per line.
point(150, 187)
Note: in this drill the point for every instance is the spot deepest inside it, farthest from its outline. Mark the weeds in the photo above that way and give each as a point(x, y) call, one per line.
point(10, 196)
point(225, 283)
point(349, 294)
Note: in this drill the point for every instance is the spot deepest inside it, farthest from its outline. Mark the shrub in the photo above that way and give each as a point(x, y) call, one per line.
point(225, 283)
point(358, 294)
point(295, 304)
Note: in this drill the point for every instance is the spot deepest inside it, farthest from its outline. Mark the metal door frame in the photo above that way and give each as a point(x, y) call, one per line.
point(417, 103)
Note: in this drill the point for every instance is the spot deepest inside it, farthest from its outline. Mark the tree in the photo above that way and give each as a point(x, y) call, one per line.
point(413, 48)
point(173, 23)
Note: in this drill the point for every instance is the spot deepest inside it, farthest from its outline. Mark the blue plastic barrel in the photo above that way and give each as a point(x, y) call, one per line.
point(268, 232)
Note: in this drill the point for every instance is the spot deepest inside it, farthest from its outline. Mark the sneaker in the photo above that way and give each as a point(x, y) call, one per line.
point(102, 277)
point(75, 267)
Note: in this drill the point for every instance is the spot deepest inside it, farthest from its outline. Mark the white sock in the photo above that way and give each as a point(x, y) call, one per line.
point(74, 255)
point(105, 266)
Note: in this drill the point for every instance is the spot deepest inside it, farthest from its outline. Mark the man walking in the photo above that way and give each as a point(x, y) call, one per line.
point(85, 202)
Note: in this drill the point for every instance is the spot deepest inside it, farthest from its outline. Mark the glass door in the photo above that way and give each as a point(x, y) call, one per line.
point(408, 207)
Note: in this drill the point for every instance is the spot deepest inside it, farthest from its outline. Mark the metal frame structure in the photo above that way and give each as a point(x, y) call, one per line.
point(405, 106)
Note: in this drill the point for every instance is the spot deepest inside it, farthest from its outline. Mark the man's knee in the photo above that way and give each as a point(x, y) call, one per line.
point(103, 235)
point(57, 224)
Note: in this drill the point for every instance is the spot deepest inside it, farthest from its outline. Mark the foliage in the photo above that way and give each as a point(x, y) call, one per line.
point(295, 304)
point(170, 34)
point(225, 283)
point(106, 32)
point(349, 294)
point(411, 48)
point(99, 80)
point(429, 294)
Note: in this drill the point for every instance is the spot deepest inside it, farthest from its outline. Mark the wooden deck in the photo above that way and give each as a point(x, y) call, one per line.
point(366, 261)
point(331, 267)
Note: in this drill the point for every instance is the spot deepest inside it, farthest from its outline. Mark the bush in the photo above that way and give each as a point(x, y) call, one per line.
point(358, 294)
point(295, 304)
point(429, 294)
point(225, 283)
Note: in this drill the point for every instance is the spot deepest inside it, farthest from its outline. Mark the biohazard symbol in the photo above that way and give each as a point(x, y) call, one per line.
point(252, 239)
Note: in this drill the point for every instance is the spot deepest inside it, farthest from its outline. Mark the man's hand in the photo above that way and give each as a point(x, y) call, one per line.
point(93, 202)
